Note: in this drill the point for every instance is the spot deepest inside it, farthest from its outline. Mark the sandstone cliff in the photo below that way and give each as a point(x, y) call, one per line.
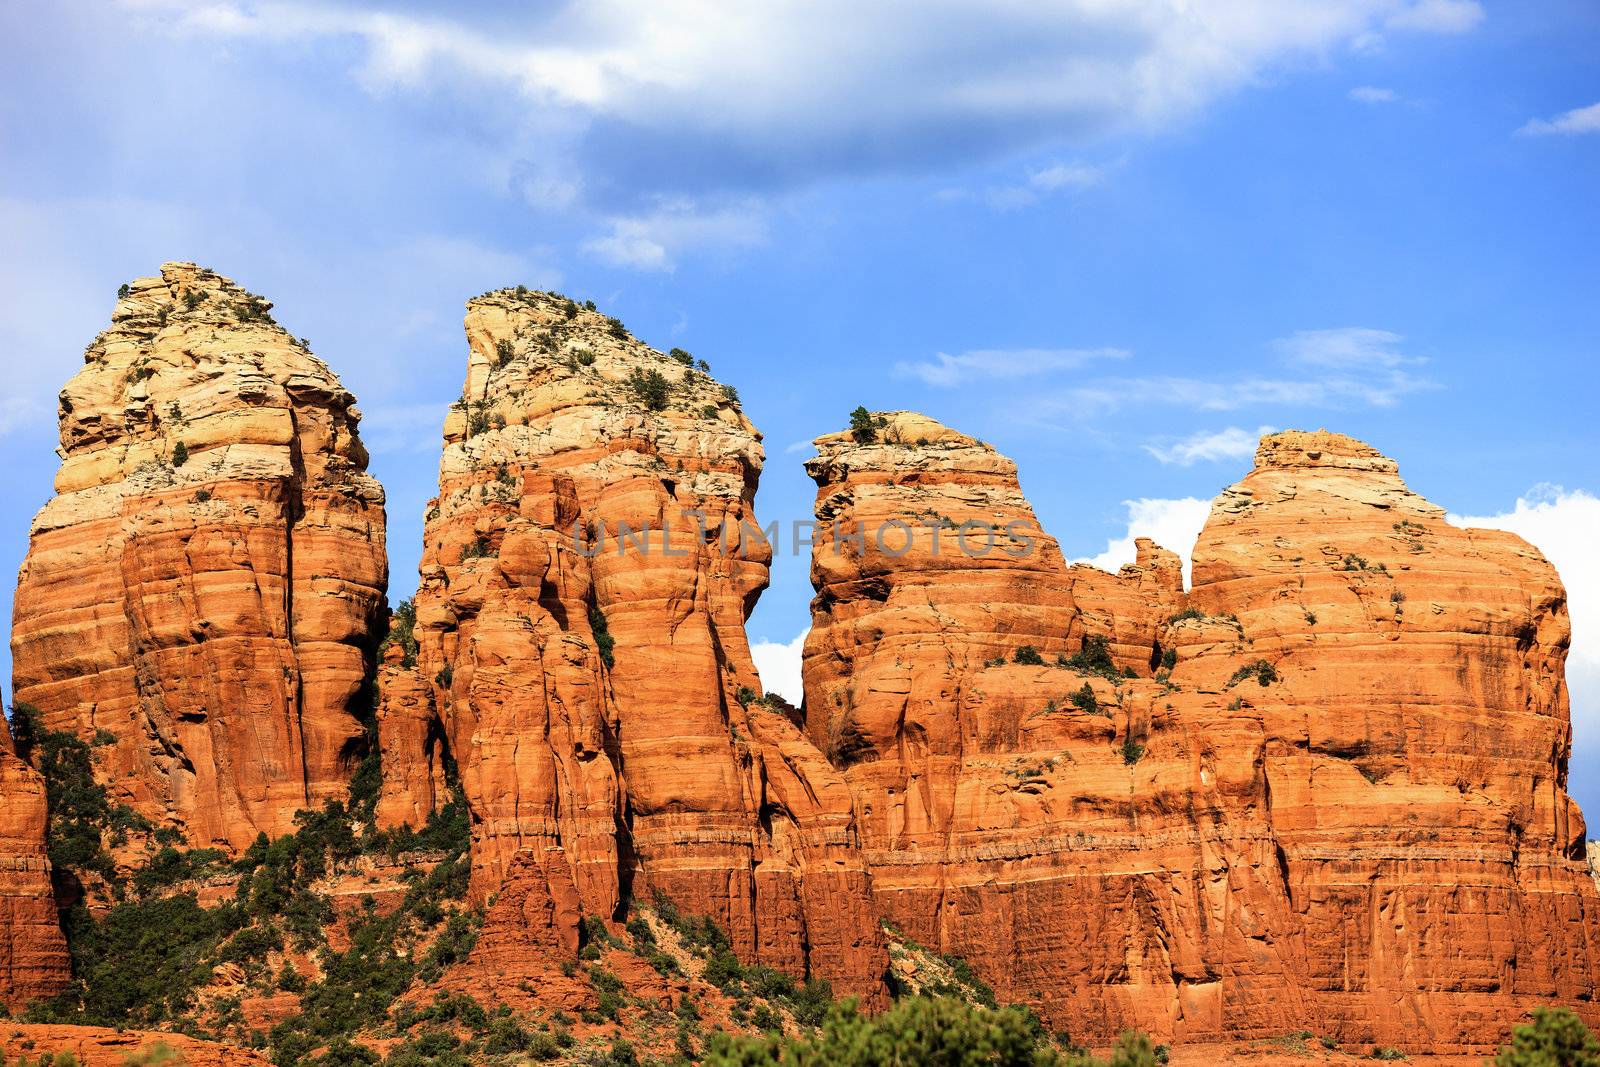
point(1416, 741)
point(33, 954)
point(588, 568)
point(204, 585)
point(1268, 805)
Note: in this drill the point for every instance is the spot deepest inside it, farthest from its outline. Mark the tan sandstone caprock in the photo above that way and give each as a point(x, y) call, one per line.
point(587, 571)
point(1269, 805)
point(204, 585)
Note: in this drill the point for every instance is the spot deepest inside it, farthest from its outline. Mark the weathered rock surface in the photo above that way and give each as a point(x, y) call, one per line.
point(588, 568)
point(33, 954)
point(1416, 746)
point(99, 1047)
point(1320, 816)
point(205, 583)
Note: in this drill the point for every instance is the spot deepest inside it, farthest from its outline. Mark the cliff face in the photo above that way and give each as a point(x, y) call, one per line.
point(587, 571)
point(33, 954)
point(1267, 805)
point(205, 582)
point(1416, 743)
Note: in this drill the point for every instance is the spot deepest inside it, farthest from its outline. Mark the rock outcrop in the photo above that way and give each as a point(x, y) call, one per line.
point(1416, 743)
point(94, 1046)
point(588, 568)
point(204, 586)
point(1267, 805)
point(33, 954)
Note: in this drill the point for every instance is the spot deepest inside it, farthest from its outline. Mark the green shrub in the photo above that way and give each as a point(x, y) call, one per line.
point(1555, 1038)
point(180, 454)
point(864, 426)
point(503, 351)
point(682, 357)
point(1132, 751)
point(928, 1032)
point(650, 389)
point(604, 643)
point(1260, 670)
point(402, 632)
point(1029, 656)
point(1084, 700)
point(1092, 657)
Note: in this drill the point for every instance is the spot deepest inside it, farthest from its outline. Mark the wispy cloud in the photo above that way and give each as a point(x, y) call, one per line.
point(1578, 120)
point(1333, 369)
point(651, 242)
point(1231, 443)
point(411, 429)
point(1348, 348)
point(1040, 183)
point(1438, 16)
point(1372, 94)
point(1001, 364)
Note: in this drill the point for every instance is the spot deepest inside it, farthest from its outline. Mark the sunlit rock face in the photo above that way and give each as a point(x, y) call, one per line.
point(33, 953)
point(200, 596)
point(588, 568)
point(1322, 790)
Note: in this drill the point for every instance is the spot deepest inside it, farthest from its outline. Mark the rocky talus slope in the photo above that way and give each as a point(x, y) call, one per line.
point(33, 953)
point(1323, 790)
point(203, 588)
point(580, 656)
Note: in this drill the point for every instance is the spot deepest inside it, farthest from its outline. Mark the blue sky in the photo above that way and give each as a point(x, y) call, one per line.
point(1115, 239)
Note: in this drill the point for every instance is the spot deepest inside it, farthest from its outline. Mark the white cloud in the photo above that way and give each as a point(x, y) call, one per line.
point(1045, 181)
point(1346, 348)
point(1438, 16)
point(1066, 176)
point(1001, 364)
point(790, 90)
point(1232, 443)
point(1354, 366)
point(1565, 527)
point(779, 667)
point(1173, 524)
point(1578, 120)
point(650, 242)
point(1372, 94)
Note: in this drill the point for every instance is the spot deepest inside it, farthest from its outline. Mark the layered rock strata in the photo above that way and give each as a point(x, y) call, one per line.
point(1324, 790)
point(588, 568)
point(203, 588)
point(33, 954)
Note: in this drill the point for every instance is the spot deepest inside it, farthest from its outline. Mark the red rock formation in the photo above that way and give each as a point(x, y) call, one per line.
point(33, 954)
point(412, 745)
point(587, 571)
point(1416, 745)
point(1193, 852)
point(205, 582)
point(99, 1047)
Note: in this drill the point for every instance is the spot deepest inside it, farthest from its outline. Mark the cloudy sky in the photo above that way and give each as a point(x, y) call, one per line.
point(1115, 238)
